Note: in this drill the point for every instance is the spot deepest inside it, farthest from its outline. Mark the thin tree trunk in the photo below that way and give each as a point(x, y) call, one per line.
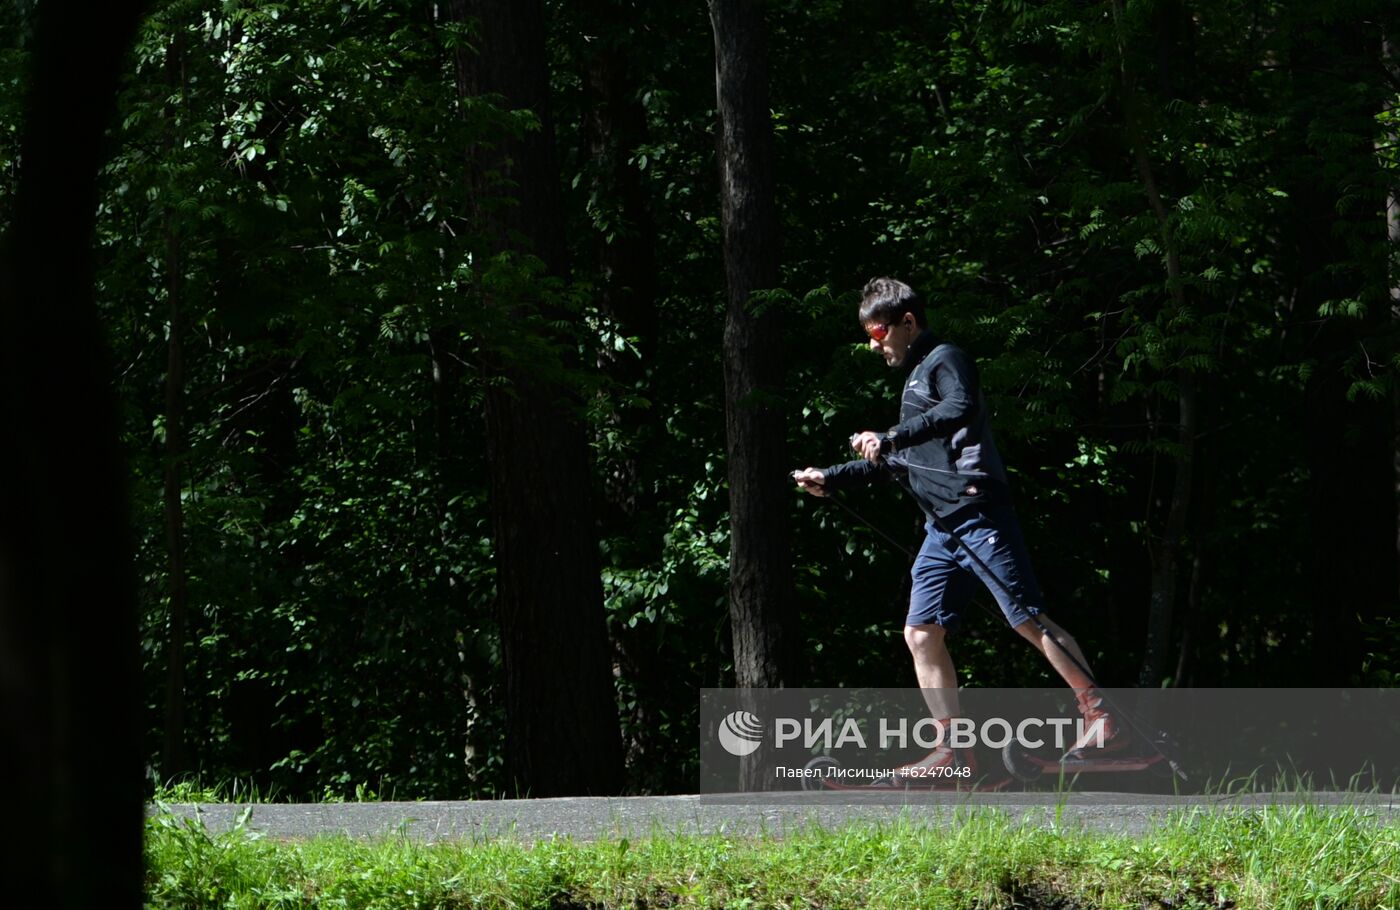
point(1166, 554)
point(1193, 609)
point(1166, 565)
point(563, 736)
point(760, 583)
point(69, 669)
point(624, 250)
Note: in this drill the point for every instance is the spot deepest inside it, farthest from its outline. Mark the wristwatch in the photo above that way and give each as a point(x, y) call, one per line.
point(887, 442)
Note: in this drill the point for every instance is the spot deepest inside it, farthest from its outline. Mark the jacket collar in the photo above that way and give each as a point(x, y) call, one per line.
point(920, 349)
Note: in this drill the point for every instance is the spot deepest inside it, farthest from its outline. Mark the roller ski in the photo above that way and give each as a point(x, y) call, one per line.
point(1105, 747)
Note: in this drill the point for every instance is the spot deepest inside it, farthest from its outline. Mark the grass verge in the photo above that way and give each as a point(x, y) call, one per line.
point(1279, 858)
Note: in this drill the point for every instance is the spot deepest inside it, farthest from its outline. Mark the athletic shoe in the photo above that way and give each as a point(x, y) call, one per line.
point(1102, 734)
point(944, 765)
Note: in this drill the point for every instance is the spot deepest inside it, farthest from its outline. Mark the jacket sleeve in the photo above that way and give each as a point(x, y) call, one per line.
point(954, 378)
point(856, 473)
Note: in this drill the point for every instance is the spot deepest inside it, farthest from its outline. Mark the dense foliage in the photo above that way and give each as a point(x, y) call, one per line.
point(1161, 227)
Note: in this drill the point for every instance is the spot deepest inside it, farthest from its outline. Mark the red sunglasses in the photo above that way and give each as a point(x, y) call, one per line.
point(879, 332)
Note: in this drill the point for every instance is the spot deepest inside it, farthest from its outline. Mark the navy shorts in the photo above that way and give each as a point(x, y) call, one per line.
point(945, 577)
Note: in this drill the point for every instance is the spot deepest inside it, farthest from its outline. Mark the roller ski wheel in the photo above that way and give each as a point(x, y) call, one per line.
point(1020, 764)
point(1159, 759)
point(819, 773)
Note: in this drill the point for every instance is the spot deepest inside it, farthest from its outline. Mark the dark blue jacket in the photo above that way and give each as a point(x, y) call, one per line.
point(943, 451)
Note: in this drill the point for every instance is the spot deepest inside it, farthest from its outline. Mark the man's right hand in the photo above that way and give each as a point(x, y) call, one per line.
point(869, 445)
point(812, 481)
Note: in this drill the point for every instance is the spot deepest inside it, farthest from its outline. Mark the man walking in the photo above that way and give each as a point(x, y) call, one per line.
point(942, 452)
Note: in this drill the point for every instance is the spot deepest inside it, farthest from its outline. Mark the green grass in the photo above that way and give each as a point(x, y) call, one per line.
point(195, 790)
point(1276, 858)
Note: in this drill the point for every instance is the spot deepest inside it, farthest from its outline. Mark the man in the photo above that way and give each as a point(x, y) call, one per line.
point(943, 453)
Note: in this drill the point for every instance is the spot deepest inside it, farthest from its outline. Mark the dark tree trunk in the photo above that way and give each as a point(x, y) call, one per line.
point(760, 584)
point(1167, 549)
point(624, 260)
point(563, 735)
point(69, 671)
point(1168, 552)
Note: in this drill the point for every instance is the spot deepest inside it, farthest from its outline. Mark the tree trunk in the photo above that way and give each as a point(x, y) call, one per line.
point(69, 671)
point(624, 253)
point(1168, 552)
point(760, 583)
point(1166, 555)
point(563, 736)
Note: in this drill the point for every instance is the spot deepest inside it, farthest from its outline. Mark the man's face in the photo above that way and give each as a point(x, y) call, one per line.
point(892, 340)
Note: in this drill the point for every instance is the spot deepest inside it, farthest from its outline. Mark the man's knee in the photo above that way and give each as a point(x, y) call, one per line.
point(1034, 626)
point(924, 637)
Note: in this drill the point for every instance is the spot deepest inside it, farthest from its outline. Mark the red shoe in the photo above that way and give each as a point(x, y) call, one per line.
point(1102, 734)
point(944, 765)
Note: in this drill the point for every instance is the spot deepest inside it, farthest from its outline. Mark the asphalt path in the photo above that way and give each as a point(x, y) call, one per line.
point(740, 815)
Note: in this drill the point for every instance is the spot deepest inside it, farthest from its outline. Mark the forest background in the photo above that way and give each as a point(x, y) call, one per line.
point(457, 402)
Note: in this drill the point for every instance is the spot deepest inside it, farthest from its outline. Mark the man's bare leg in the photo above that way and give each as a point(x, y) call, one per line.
point(1072, 675)
point(933, 666)
point(1102, 739)
point(938, 679)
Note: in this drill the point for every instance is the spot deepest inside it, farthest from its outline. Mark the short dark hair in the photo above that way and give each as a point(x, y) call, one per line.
point(886, 300)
